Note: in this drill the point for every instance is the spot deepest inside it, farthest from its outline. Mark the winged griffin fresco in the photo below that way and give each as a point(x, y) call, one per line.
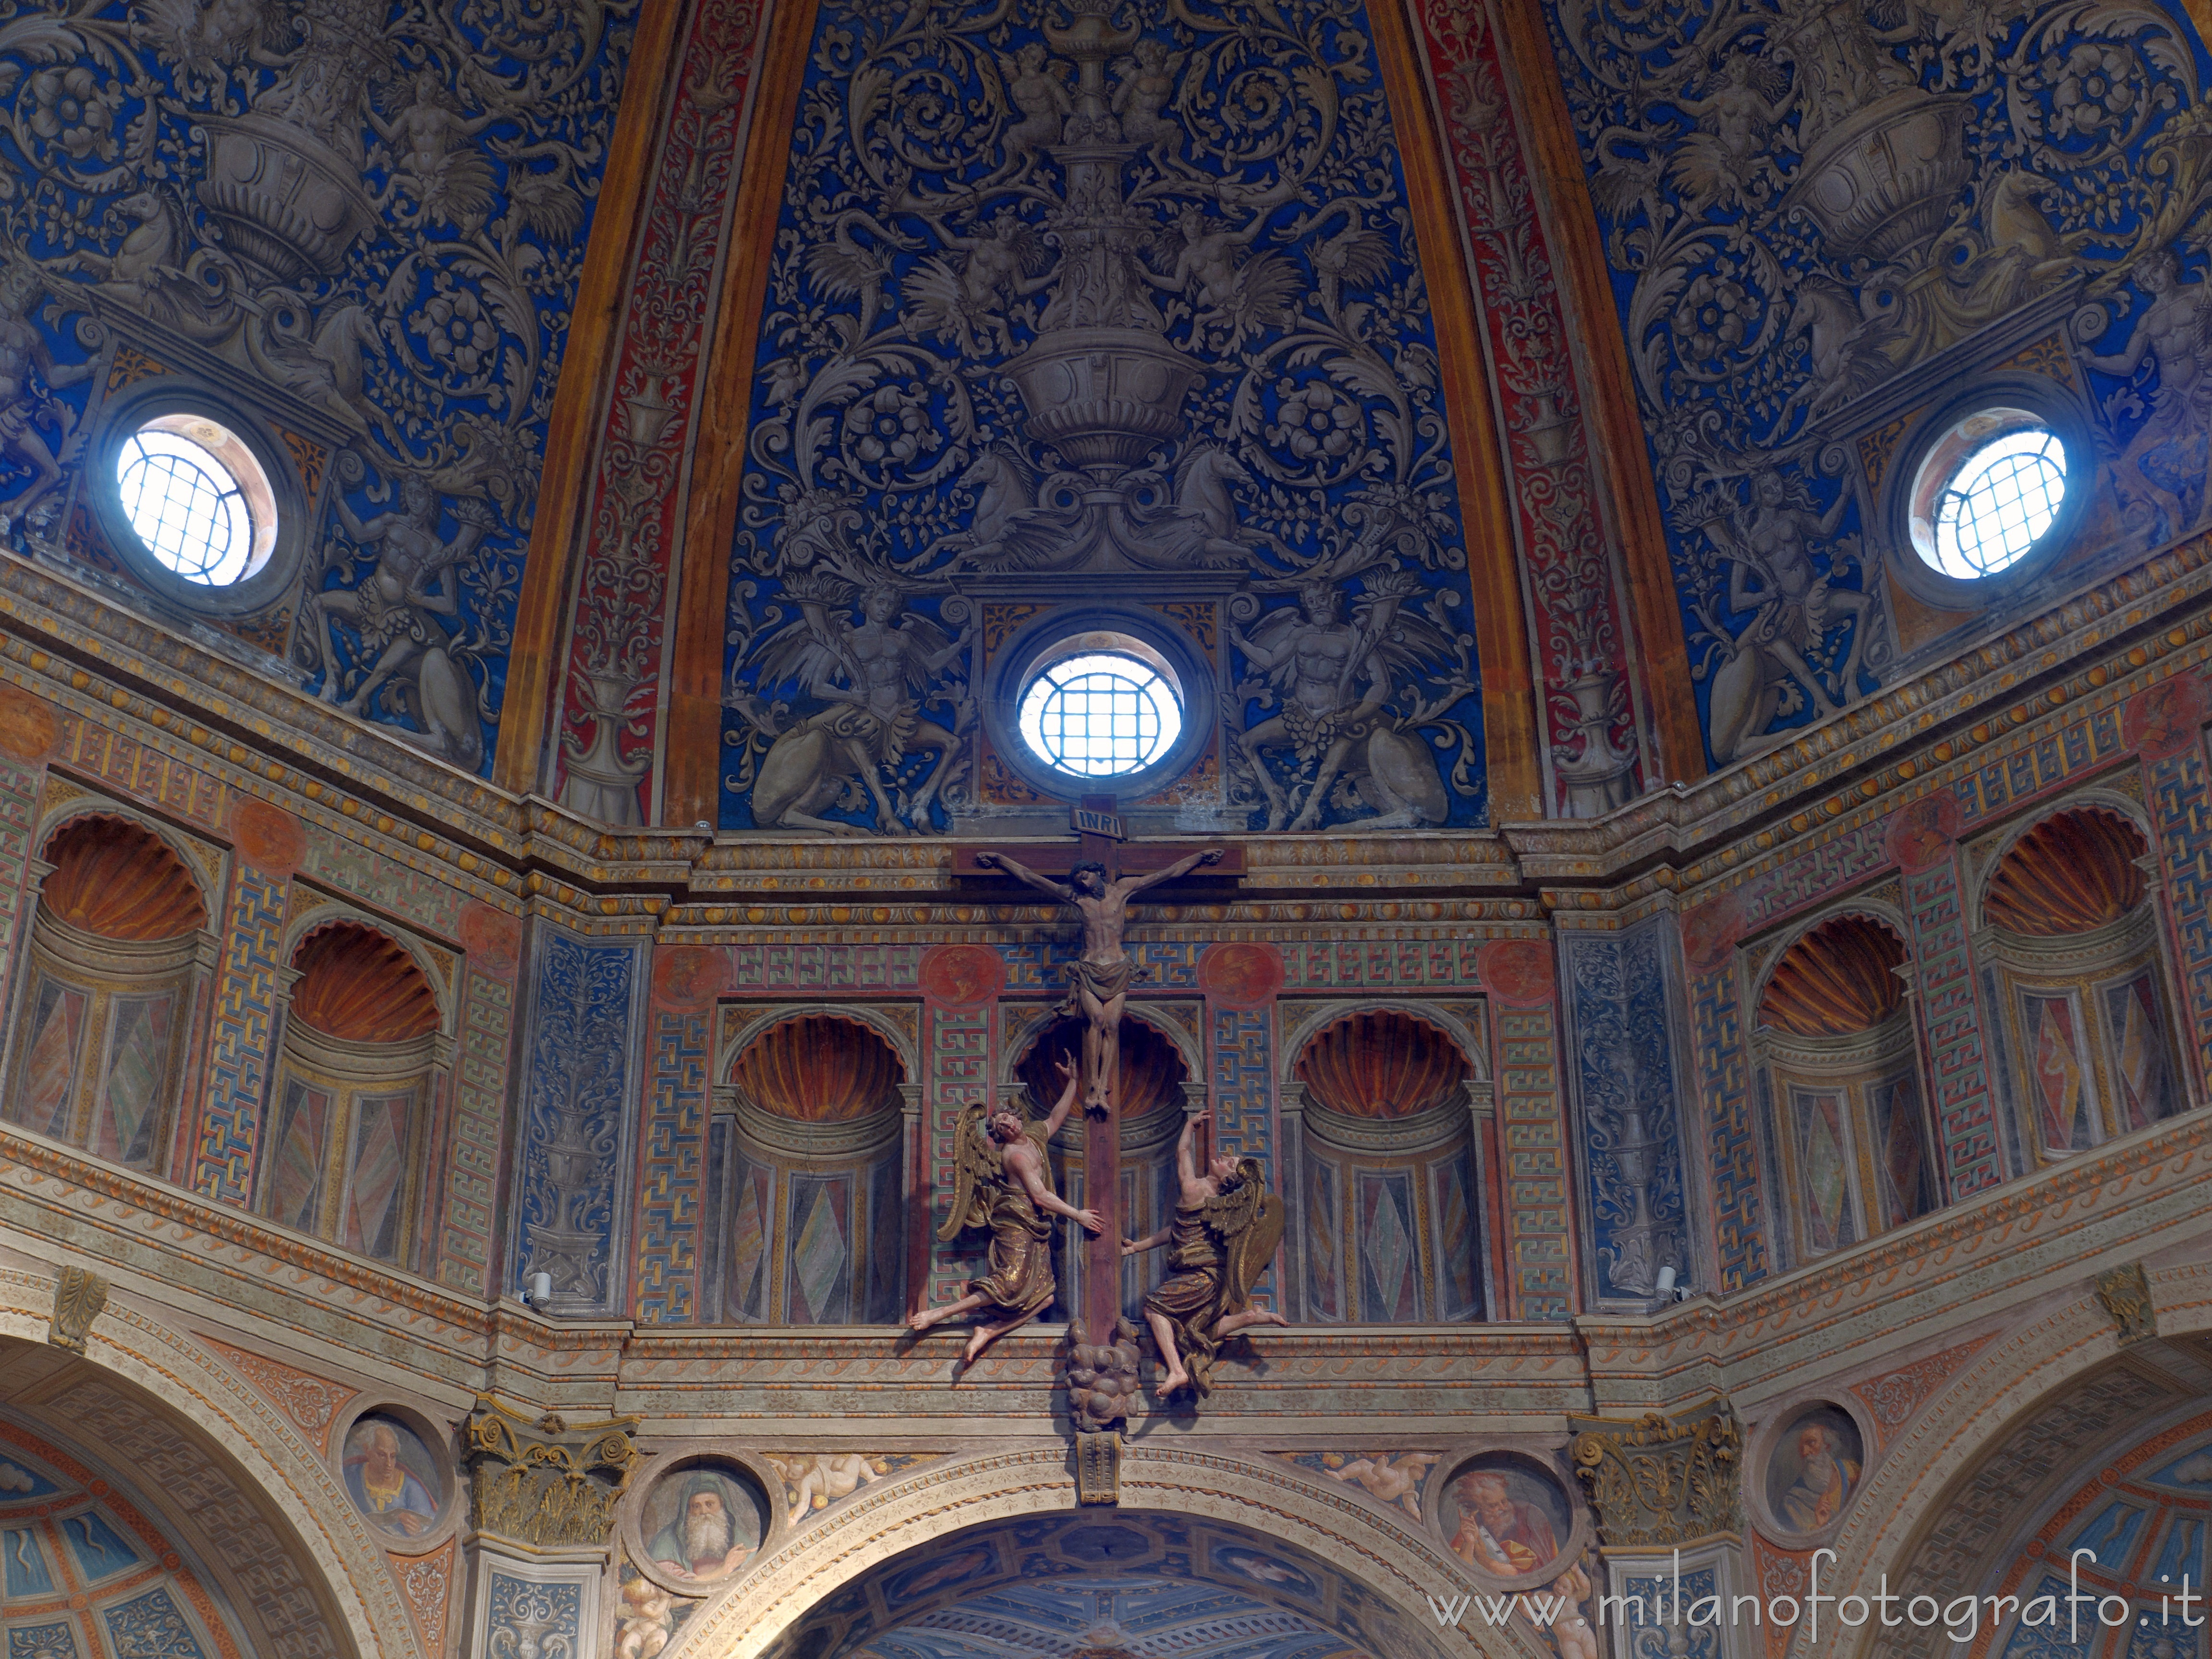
point(1094, 292)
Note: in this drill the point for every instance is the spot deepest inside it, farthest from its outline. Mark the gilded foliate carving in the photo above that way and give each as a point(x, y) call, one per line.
point(2125, 1295)
point(545, 1482)
point(79, 1295)
point(1098, 302)
point(1658, 1480)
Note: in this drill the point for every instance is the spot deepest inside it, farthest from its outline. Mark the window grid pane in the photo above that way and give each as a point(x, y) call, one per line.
point(2000, 503)
point(1099, 715)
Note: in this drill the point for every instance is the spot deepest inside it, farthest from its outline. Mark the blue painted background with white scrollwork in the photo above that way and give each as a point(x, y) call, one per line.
point(1627, 1120)
point(376, 210)
point(930, 223)
point(2038, 154)
point(572, 1161)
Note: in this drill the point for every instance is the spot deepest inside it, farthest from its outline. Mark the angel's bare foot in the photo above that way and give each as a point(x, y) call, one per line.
point(1176, 1379)
point(924, 1321)
point(976, 1344)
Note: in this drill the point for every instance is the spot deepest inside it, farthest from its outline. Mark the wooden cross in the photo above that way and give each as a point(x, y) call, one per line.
point(1096, 824)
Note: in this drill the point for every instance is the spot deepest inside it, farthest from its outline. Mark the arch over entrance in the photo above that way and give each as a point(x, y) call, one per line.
point(1255, 1561)
point(208, 1476)
point(1107, 1585)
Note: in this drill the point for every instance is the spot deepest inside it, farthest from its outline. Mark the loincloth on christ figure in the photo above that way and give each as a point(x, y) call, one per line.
point(1103, 980)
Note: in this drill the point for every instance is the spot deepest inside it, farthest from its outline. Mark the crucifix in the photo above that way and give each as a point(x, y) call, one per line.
point(1098, 982)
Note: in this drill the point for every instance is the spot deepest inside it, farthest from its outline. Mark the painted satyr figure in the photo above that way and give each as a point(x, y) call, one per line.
point(1225, 1230)
point(1003, 1184)
point(1327, 680)
point(876, 674)
point(398, 607)
point(1098, 981)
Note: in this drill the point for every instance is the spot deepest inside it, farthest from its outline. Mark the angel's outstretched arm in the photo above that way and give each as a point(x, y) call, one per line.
point(1060, 1110)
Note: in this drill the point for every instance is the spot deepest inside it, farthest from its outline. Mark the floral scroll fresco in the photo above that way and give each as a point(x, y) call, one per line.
point(1128, 297)
point(360, 217)
point(1801, 202)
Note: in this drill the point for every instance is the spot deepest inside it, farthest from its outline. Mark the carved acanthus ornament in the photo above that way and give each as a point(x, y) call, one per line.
point(545, 1482)
point(1659, 1482)
point(79, 1296)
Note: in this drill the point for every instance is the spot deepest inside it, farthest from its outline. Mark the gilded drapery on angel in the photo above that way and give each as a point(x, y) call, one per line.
point(1226, 1227)
point(1002, 1187)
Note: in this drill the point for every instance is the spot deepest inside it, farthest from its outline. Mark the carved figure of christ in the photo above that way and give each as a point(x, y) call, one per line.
point(1098, 982)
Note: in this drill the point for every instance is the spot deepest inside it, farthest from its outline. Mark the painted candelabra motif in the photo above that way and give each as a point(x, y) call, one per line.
point(1073, 290)
point(1806, 200)
point(371, 210)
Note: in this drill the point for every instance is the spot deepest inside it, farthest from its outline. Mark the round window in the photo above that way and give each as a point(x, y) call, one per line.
point(1987, 491)
point(197, 497)
point(1103, 706)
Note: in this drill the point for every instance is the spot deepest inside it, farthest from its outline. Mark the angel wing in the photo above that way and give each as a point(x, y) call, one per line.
point(802, 653)
point(1029, 250)
point(1268, 288)
point(1248, 1220)
point(929, 639)
point(1408, 641)
point(976, 1171)
point(936, 304)
point(1275, 629)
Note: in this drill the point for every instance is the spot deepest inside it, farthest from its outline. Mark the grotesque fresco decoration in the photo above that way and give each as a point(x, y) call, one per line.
point(359, 218)
point(1802, 201)
point(1097, 304)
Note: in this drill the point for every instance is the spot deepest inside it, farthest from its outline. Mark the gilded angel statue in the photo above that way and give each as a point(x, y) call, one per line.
point(1003, 1181)
point(1225, 1230)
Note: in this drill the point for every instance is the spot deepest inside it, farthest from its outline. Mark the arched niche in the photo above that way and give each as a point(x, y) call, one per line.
point(1387, 1175)
point(2077, 965)
point(360, 1085)
point(1838, 1070)
point(805, 1156)
point(1151, 1097)
point(115, 982)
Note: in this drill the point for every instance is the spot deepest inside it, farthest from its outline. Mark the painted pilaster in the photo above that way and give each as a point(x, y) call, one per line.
point(580, 1092)
point(543, 1496)
point(1622, 991)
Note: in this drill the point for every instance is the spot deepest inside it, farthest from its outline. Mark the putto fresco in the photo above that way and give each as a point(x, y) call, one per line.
point(1126, 302)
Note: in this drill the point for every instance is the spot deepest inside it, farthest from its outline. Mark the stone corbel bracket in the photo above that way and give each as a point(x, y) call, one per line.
point(79, 1295)
point(2125, 1294)
point(1662, 1481)
point(543, 1482)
